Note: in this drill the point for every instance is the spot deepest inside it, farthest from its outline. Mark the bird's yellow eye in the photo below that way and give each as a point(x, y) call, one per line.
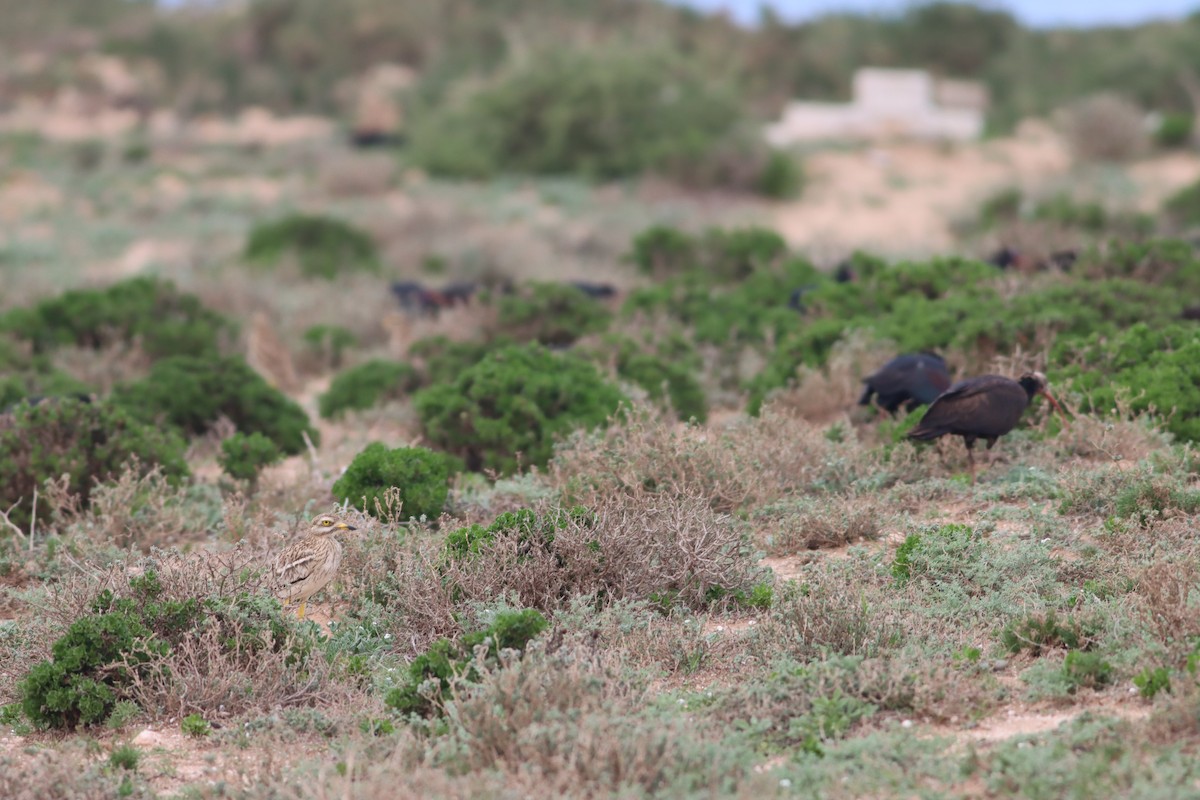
point(326, 522)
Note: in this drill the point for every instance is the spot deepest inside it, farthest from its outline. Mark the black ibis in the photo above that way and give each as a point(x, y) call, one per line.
point(985, 408)
point(911, 380)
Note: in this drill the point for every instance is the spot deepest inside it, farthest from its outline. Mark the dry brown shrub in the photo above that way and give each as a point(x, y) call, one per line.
point(752, 461)
point(135, 510)
point(573, 718)
point(356, 174)
point(1103, 127)
point(231, 668)
point(828, 613)
point(809, 523)
point(67, 771)
point(673, 550)
point(1169, 592)
point(1109, 439)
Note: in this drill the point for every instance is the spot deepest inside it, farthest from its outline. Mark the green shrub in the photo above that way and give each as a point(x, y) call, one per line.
point(95, 663)
point(1174, 130)
point(324, 247)
point(663, 378)
point(1150, 682)
point(1183, 207)
point(444, 359)
point(663, 252)
point(925, 554)
point(331, 341)
point(1148, 367)
point(90, 443)
point(421, 476)
point(152, 312)
point(195, 725)
point(367, 385)
point(1086, 670)
point(243, 456)
point(781, 176)
point(530, 527)
point(508, 408)
point(553, 314)
point(125, 757)
point(1002, 207)
point(1045, 631)
point(431, 673)
point(193, 392)
point(1147, 500)
point(603, 113)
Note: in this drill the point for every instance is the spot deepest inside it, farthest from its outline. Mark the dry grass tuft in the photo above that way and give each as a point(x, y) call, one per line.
point(751, 462)
point(138, 511)
point(667, 549)
point(810, 523)
point(828, 614)
point(824, 395)
point(1103, 127)
point(1167, 591)
point(356, 174)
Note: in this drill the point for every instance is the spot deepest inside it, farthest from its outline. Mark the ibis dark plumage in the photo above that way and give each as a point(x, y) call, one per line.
point(985, 408)
point(911, 380)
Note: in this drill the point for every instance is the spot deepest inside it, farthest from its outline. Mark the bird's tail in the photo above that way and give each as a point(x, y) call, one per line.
point(926, 434)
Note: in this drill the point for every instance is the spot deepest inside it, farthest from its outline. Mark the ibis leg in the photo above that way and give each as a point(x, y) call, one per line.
point(971, 462)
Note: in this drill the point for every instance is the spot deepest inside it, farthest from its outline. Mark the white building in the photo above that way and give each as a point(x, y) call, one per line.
point(888, 103)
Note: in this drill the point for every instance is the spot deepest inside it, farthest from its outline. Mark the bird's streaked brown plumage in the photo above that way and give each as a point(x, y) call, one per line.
point(985, 408)
point(305, 567)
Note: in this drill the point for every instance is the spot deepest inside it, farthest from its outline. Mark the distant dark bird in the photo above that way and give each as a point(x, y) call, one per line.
point(985, 408)
point(845, 272)
point(911, 380)
point(1191, 313)
point(796, 298)
point(459, 293)
point(596, 291)
point(1064, 259)
point(1004, 258)
point(408, 293)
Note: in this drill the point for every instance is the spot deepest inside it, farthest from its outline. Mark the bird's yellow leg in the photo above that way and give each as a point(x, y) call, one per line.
point(302, 602)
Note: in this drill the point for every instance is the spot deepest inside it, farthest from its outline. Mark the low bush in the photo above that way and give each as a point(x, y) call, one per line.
point(1103, 127)
point(553, 314)
point(1147, 368)
point(1183, 207)
point(243, 456)
point(507, 409)
point(192, 392)
point(330, 341)
point(322, 246)
point(418, 477)
point(366, 385)
point(141, 643)
point(603, 113)
point(530, 528)
point(1174, 130)
point(1040, 632)
point(89, 443)
point(441, 359)
point(151, 312)
point(432, 675)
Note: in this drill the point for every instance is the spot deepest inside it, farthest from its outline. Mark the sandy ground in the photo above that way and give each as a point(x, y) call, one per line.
point(902, 199)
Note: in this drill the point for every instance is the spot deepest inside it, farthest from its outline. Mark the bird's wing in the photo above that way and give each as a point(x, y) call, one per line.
point(984, 407)
point(295, 564)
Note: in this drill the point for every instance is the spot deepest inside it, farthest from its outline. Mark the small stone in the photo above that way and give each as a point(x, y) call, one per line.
point(908, 723)
point(148, 738)
point(999, 664)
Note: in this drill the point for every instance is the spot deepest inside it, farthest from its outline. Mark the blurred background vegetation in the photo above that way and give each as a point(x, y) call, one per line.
point(292, 55)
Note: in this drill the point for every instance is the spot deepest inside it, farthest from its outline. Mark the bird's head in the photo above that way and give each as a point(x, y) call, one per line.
point(326, 524)
point(1035, 383)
